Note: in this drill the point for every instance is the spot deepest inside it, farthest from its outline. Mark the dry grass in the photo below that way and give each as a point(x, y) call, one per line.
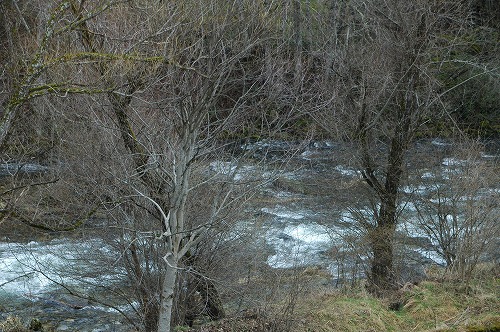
point(435, 305)
point(442, 305)
point(430, 306)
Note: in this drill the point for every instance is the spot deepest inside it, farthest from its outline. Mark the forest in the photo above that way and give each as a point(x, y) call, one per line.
point(249, 165)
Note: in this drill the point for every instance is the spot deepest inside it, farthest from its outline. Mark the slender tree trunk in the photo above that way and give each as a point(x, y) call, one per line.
point(167, 294)
point(297, 26)
point(149, 306)
point(5, 123)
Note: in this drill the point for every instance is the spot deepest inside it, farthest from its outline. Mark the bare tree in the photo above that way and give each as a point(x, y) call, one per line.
point(41, 55)
point(165, 123)
point(170, 91)
point(35, 65)
point(385, 90)
point(460, 212)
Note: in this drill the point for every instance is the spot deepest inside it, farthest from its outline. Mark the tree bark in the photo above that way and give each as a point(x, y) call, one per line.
point(297, 26)
point(167, 294)
point(382, 279)
point(381, 236)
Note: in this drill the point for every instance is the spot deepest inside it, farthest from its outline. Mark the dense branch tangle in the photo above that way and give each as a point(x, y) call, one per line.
point(388, 90)
point(162, 105)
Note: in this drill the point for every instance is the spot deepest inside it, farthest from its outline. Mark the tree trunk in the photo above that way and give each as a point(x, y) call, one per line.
point(5, 124)
point(167, 295)
point(297, 26)
point(213, 303)
point(382, 270)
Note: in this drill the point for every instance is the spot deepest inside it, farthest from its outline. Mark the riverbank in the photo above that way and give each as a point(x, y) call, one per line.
point(440, 303)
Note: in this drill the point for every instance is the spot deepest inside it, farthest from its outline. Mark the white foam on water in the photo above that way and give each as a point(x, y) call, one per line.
point(489, 156)
point(24, 269)
point(284, 194)
point(346, 171)
point(308, 154)
point(490, 191)
point(347, 217)
point(353, 218)
point(236, 172)
point(419, 190)
point(454, 162)
point(310, 234)
point(432, 255)
point(267, 144)
point(297, 245)
point(229, 169)
point(223, 167)
point(133, 306)
point(439, 142)
point(36, 267)
point(441, 200)
point(428, 175)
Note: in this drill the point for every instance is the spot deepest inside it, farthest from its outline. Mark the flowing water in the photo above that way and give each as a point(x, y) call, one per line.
point(34, 276)
point(310, 217)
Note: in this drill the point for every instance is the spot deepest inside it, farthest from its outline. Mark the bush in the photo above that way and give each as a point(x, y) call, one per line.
point(12, 324)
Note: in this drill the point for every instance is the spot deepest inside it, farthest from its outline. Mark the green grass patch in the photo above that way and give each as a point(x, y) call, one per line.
point(430, 306)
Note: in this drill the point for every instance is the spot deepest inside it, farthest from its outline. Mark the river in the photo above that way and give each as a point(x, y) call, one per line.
point(310, 217)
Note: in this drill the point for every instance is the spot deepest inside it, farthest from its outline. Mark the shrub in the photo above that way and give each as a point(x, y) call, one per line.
point(12, 324)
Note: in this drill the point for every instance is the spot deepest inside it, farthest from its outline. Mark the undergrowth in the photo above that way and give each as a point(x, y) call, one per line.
point(440, 304)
